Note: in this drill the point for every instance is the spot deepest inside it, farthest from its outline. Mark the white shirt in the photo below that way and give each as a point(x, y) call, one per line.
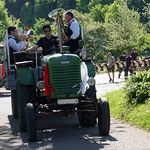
point(75, 27)
point(111, 60)
point(16, 46)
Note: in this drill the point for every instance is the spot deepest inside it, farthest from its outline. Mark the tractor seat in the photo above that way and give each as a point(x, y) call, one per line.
point(24, 64)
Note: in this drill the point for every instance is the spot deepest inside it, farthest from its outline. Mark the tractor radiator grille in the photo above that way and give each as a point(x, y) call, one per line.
point(65, 80)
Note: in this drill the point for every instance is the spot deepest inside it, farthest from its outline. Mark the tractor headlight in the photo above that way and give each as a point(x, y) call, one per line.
point(91, 81)
point(40, 85)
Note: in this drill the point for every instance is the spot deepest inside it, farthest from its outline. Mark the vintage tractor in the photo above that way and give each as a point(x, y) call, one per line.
point(59, 83)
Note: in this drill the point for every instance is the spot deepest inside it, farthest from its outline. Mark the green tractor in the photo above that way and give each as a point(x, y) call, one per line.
point(60, 83)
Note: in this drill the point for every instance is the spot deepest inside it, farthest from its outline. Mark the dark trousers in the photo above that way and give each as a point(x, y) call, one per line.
point(73, 45)
point(126, 70)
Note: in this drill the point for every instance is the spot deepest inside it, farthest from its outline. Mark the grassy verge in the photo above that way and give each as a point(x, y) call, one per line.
point(139, 115)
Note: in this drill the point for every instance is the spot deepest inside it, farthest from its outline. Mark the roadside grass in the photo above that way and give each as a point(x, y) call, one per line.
point(138, 115)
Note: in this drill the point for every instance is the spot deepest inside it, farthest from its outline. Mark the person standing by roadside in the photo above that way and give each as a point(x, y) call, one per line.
point(111, 67)
point(121, 60)
point(134, 54)
point(128, 63)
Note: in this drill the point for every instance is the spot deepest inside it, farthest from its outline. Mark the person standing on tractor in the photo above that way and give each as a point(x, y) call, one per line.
point(48, 44)
point(73, 33)
point(15, 45)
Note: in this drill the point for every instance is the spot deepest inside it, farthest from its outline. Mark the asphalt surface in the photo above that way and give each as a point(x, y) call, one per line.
point(65, 133)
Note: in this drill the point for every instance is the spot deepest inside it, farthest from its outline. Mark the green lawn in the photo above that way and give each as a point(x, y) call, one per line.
point(138, 115)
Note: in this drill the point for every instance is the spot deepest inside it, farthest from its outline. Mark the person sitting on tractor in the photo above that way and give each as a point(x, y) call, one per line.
point(29, 32)
point(48, 44)
point(15, 45)
point(73, 33)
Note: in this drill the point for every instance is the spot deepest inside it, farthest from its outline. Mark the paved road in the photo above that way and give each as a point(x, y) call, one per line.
point(67, 135)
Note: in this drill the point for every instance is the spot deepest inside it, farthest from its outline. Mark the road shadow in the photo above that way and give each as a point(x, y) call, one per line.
point(118, 127)
point(14, 124)
point(10, 136)
point(62, 134)
point(72, 138)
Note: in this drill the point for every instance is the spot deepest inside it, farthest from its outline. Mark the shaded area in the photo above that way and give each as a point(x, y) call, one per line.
point(8, 140)
point(67, 135)
point(72, 139)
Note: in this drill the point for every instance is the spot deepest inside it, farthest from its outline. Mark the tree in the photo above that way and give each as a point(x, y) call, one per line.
point(94, 36)
point(98, 12)
point(5, 20)
point(14, 7)
point(27, 14)
point(38, 26)
point(147, 15)
point(124, 27)
point(107, 2)
point(82, 5)
point(147, 27)
point(42, 8)
point(66, 4)
point(139, 5)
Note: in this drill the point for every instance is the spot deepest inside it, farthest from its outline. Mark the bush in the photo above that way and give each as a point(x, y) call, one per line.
point(137, 88)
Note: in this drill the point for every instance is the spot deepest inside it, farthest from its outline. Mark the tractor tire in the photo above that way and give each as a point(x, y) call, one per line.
point(103, 115)
point(87, 110)
point(14, 104)
point(31, 122)
point(25, 95)
point(87, 115)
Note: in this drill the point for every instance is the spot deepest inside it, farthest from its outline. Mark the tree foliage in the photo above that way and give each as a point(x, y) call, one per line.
point(147, 15)
point(39, 24)
point(124, 27)
point(27, 10)
point(82, 5)
point(98, 12)
point(108, 24)
point(94, 35)
point(5, 20)
point(139, 5)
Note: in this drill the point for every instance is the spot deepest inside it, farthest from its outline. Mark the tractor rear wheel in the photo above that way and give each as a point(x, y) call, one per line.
point(26, 93)
point(14, 103)
point(31, 122)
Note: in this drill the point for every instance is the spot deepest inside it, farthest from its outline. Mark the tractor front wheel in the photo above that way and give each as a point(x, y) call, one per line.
point(103, 114)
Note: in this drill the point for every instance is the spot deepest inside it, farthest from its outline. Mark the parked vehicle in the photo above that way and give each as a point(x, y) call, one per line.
point(2, 69)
